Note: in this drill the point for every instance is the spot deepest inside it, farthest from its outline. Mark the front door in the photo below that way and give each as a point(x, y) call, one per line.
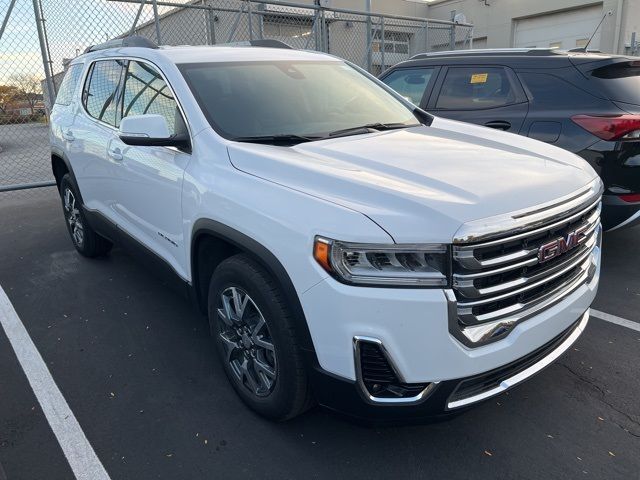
point(148, 200)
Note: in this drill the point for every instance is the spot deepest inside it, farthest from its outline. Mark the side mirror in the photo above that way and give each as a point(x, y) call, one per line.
point(150, 131)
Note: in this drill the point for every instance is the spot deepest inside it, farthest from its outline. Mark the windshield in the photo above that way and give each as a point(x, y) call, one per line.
point(242, 100)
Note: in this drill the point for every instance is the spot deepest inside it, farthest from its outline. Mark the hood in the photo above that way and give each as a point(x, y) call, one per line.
point(421, 184)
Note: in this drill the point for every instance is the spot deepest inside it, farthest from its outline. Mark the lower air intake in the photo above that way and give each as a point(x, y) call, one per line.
point(379, 377)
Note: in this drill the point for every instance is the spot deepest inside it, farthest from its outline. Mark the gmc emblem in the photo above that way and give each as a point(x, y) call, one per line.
point(561, 245)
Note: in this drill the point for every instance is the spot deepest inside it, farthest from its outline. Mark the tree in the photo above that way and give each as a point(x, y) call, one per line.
point(8, 94)
point(29, 87)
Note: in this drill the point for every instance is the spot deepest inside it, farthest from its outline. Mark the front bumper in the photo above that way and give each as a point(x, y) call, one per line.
point(444, 398)
point(411, 329)
point(413, 326)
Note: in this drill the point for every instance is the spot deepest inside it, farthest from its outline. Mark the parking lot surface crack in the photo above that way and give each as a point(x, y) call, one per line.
point(602, 399)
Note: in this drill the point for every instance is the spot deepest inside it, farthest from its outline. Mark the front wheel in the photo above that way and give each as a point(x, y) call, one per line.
point(253, 330)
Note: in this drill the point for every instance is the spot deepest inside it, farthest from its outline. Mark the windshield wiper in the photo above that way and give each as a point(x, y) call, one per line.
point(362, 129)
point(281, 139)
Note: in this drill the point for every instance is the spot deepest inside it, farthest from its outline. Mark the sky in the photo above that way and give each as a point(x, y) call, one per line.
point(71, 26)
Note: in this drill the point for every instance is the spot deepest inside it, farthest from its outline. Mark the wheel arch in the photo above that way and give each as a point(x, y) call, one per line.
point(60, 166)
point(212, 242)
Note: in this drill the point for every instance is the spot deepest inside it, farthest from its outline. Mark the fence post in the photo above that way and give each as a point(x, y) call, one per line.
point(314, 31)
point(6, 18)
point(325, 32)
point(135, 20)
point(232, 33)
point(156, 20)
point(426, 36)
point(44, 51)
point(211, 23)
point(382, 45)
point(250, 20)
point(452, 31)
point(261, 21)
point(369, 38)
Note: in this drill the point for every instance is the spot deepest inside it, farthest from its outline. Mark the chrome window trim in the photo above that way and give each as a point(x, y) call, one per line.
point(372, 399)
point(521, 221)
point(527, 373)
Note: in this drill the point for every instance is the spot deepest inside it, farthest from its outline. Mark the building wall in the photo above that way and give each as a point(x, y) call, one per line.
point(346, 37)
point(392, 7)
point(630, 23)
point(494, 24)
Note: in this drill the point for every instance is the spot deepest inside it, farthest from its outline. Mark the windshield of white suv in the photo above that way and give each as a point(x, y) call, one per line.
point(294, 101)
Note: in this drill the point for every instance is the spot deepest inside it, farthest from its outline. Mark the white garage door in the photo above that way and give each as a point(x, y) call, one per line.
point(565, 30)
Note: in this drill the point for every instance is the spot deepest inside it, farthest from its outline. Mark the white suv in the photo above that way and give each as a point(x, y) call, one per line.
point(348, 248)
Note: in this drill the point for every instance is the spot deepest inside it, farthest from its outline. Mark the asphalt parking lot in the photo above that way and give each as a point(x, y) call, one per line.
point(24, 153)
point(136, 368)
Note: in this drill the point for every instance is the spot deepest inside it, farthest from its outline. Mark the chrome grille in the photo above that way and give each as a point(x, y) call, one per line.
point(500, 282)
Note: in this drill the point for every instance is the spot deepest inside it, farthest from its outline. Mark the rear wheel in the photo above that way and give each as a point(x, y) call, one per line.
point(253, 330)
point(86, 241)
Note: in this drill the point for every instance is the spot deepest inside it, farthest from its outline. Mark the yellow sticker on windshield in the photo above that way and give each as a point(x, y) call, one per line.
point(479, 78)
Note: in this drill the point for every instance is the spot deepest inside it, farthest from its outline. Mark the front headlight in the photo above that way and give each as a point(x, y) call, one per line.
point(407, 265)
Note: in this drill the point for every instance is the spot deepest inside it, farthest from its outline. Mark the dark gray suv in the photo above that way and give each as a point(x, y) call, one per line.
point(585, 102)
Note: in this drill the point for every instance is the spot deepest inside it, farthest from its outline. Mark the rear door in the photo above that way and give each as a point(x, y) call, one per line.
point(64, 109)
point(413, 83)
point(489, 96)
point(93, 127)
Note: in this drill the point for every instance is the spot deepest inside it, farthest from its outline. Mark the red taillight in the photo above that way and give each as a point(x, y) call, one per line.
point(630, 197)
point(618, 127)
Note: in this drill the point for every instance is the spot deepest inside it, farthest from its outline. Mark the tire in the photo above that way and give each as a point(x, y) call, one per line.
point(279, 387)
point(85, 240)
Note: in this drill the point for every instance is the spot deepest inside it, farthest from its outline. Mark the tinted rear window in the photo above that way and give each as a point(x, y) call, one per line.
point(620, 81)
point(474, 88)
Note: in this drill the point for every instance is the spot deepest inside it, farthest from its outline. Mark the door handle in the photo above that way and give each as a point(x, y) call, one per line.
point(68, 136)
point(115, 153)
point(498, 125)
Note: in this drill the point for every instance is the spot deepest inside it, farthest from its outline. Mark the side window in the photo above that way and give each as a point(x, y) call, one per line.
point(410, 82)
point(474, 88)
point(146, 92)
point(101, 89)
point(68, 85)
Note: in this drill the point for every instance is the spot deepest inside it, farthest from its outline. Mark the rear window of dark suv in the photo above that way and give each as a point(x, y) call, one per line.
point(619, 81)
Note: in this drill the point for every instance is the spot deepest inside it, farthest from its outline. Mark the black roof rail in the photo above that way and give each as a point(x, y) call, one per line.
point(132, 41)
point(583, 50)
point(490, 51)
point(267, 42)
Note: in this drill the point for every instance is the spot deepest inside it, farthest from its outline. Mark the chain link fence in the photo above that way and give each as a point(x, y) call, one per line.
point(38, 38)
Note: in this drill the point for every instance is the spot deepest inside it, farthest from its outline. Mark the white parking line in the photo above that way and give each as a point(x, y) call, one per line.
point(81, 457)
point(617, 320)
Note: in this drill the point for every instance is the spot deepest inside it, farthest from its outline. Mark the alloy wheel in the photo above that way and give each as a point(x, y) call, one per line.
point(72, 213)
point(247, 343)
